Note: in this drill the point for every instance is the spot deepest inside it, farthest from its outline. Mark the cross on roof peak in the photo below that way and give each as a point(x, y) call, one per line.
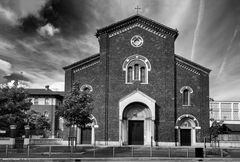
point(137, 8)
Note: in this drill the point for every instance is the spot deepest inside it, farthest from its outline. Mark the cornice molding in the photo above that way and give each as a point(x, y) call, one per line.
point(148, 23)
point(124, 29)
point(85, 66)
point(87, 60)
point(179, 64)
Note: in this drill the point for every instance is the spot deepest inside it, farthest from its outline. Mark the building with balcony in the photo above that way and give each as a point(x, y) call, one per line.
point(228, 112)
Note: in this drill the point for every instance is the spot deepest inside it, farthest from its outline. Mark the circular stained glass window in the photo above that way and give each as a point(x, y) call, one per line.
point(137, 41)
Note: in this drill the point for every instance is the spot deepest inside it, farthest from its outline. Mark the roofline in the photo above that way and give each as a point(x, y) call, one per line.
point(109, 27)
point(223, 101)
point(35, 94)
point(197, 66)
point(81, 62)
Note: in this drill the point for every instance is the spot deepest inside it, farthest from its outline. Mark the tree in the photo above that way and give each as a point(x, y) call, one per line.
point(215, 130)
point(14, 103)
point(38, 123)
point(77, 107)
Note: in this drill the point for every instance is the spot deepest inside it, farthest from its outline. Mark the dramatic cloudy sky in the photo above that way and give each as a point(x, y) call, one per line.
point(39, 37)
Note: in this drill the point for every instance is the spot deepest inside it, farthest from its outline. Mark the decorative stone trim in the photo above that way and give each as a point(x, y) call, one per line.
point(140, 26)
point(85, 66)
point(86, 86)
point(189, 116)
point(187, 68)
point(140, 58)
point(186, 87)
point(136, 57)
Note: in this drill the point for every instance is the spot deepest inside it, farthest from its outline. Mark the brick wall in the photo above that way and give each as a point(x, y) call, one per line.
point(199, 107)
point(108, 81)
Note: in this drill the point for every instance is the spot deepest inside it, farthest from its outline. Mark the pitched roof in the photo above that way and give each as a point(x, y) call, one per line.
point(138, 18)
point(83, 61)
point(192, 64)
point(44, 92)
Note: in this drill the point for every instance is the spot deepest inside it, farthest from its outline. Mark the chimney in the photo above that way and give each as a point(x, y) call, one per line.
point(46, 87)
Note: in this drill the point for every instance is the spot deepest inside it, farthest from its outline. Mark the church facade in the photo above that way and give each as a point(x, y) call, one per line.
point(143, 92)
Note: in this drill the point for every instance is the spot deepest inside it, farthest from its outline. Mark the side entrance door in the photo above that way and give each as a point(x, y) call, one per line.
point(185, 137)
point(135, 132)
point(86, 135)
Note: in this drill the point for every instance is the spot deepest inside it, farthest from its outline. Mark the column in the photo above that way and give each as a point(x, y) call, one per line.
point(193, 140)
point(232, 111)
point(13, 131)
point(153, 132)
point(12, 134)
point(238, 111)
point(120, 132)
point(27, 133)
point(52, 119)
point(220, 113)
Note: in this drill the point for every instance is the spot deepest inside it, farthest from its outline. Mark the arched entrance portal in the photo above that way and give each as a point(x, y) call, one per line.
point(136, 124)
point(87, 135)
point(136, 116)
point(187, 125)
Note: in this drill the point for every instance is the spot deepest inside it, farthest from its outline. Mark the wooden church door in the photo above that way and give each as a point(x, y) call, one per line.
point(135, 132)
point(185, 135)
point(86, 135)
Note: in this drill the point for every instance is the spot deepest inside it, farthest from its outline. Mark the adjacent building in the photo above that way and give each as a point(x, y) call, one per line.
point(228, 113)
point(47, 102)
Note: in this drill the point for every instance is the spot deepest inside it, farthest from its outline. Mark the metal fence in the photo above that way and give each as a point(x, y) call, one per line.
point(111, 152)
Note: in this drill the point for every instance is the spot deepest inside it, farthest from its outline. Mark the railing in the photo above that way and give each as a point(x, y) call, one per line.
point(229, 137)
point(108, 152)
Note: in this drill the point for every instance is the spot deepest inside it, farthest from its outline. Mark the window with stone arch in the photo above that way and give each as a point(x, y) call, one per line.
point(186, 95)
point(136, 69)
point(86, 88)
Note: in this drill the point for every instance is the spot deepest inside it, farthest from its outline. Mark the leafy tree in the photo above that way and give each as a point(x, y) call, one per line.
point(215, 130)
point(15, 110)
point(39, 123)
point(77, 107)
point(14, 103)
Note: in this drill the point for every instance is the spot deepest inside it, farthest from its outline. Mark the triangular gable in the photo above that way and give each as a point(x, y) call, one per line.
point(86, 61)
point(137, 96)
point(191, 66)
point(137, 93)
point(138, 21)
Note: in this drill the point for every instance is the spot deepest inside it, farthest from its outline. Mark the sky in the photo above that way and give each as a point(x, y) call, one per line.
point(39, 37)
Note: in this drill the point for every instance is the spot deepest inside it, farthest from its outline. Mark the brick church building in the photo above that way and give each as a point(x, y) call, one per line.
point(143, 92)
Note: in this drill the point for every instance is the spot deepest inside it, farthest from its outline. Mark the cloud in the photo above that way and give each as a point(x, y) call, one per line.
point(48, 30)
point(30, 41)
point(73, 18)
point(8, 15)
point(5, 66)
point(27, 7)
point(57, 86)
point(228, 51)
point(198, 26)
point(16, 77)
point(5, 45)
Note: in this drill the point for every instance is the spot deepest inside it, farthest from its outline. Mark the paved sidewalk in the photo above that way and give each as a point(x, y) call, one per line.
point(135, 159)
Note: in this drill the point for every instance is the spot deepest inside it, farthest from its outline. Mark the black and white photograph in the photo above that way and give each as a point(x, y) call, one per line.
point(119, 80)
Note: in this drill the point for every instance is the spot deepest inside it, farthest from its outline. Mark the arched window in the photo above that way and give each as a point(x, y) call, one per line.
point(136, 72)
point(186, 97)
point(136, 68)
point(142, 72)
point(129, 73)
point(86, 88)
